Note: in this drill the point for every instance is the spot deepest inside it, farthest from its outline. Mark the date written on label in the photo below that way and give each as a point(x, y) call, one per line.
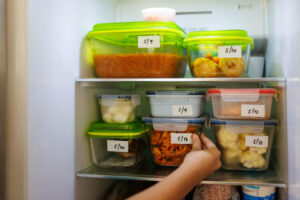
point(229, 51)
point(256, 141)
point(181, 138)
point(152, 41)
point(182, 110)
point(249, 110)
point(117, 146)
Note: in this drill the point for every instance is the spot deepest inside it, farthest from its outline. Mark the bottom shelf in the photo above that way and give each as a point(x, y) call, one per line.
point(150, 173)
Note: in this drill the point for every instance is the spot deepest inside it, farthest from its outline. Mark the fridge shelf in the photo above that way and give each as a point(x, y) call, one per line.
point(266, 178)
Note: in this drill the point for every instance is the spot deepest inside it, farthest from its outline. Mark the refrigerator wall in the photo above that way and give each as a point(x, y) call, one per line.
point(45, 57)
point(2, 96)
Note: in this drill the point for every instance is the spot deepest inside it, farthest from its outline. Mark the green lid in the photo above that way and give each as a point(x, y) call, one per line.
point(206, 37)
point(117, 131)
point(110, 32)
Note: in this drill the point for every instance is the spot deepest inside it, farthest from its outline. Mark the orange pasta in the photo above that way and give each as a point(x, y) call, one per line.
point(166, 153)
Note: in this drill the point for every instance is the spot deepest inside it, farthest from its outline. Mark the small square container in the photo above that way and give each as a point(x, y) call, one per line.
point(223, 53)
point(170, 138)
point(176, 103)
point(253, 103)
point(118, 108)
point(117, 145)
point(138, 50)
point(244, 145)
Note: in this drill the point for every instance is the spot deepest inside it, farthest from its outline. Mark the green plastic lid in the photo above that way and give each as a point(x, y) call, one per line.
point(238, 36)
point(128, 27)
point(117, 131)
point(126, 33)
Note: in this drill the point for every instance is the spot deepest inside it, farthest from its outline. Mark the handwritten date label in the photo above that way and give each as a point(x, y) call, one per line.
point(249, 110)
point(229, 51)
point(152, 41)
point(257, 141)
point(117, 146)
point(182, 110)
point(181, 138)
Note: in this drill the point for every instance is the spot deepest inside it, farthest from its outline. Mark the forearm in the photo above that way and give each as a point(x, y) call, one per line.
point(175, 186)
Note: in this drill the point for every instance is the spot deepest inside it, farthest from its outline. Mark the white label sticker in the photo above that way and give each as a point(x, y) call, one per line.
point(251, 110)
point(229, 51)
point(149, 41)
point(181, 138)
point(182, 110)
point(257, 141)
point(117, 146)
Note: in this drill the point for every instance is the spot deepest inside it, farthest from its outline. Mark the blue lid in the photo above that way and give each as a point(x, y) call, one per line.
point(174, 92)
point(273, 122)
point(200, 120)
point(118, 96)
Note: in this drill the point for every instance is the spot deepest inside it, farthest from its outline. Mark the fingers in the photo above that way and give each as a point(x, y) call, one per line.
point(207, 142)
point(196, 143)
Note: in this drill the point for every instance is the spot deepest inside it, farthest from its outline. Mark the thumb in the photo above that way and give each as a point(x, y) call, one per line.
point(196, 143)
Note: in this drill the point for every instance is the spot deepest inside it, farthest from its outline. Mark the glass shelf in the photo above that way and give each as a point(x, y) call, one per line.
point(266, 178)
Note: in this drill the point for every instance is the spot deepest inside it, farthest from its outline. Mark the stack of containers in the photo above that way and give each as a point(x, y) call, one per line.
point(175, 118)
point(243, 129)
point(120, 139)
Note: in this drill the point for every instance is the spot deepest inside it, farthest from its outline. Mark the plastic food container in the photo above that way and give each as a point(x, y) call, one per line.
point(117, 145)
point(170, 138)
point(242, 103)
point(244, 145)
point(176, 103)
point(118, 108)
point(138, 50)
point(259, 192)
point(159, 14)
point(219, 53)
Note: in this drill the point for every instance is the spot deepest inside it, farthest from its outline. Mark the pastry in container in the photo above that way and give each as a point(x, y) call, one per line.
point(117, 145)
point(138, 50)
point(250, 103)
point(170, 138)
point(118, 108)
point(244, 145)
point(176, 103)
point(223, 53)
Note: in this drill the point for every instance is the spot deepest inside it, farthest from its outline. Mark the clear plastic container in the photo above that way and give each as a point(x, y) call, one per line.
point(138, 50)
point(118, 108)
point(242, 103)
point(117, 145)
point(170, 138)
point(176, 103)
point(159, 14)
point(219, 53)
point(244, 145)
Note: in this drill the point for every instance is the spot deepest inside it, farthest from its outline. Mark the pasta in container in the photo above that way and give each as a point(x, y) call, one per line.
point(170, 138)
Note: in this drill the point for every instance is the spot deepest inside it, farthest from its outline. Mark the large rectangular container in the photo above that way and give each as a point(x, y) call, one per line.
point(254, 103)
point(219, 53)
point(176, 103)
point(170, 138)
point(138, 50)
point(244, 145)
point(117, 145)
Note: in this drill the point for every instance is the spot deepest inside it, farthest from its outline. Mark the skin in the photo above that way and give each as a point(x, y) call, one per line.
point(201, 162)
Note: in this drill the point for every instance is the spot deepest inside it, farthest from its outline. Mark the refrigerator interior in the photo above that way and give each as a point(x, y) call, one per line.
point(57, 147)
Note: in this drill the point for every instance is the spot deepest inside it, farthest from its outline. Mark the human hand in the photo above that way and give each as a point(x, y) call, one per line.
point(204, 157)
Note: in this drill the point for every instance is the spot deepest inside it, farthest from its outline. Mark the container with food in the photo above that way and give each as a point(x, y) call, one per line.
point(259, 192)
point(117, 145)
point(219, 53)
point(138, 50)
point(244, 145)
point(159, 14)
point(118, 108)
point(254, 103)
point(176, 103)
point(170, 138)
